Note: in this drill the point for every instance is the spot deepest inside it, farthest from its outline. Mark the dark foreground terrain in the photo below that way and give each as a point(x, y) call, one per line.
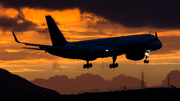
point(150, 94)
point(16, 88)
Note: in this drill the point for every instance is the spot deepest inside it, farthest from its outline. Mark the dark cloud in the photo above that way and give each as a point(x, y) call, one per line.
point(17, 24)
point(96, 24)
point(42, 30)
point(129, 13)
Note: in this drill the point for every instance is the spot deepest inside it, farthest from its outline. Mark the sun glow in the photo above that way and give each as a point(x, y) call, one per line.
point(12, 50)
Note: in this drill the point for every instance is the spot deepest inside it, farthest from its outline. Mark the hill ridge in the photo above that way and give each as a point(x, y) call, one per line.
point(12, 84)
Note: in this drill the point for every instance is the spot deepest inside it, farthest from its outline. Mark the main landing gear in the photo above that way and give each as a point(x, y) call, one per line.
point(147, 56)
point(88, 65)
point(113, 65)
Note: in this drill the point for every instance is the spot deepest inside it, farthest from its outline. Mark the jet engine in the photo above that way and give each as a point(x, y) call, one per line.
point(135, 55)
point(88, 55)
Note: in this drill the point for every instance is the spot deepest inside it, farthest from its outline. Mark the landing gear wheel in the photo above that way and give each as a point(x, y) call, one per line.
point(110, 66)
point(113, 65)
point(84, 66)
point(146, 61)
point(87, 66)
point(116, 65)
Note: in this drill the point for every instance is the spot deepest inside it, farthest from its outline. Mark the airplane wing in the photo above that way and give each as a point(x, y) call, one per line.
point(44, 47)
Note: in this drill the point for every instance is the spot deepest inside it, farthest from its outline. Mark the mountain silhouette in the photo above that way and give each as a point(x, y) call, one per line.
point(174, 79)
point(87, 83)
point(11, 84)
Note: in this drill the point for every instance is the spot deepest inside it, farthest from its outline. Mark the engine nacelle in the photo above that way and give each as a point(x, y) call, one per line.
point(88, 55)
point(135, 55)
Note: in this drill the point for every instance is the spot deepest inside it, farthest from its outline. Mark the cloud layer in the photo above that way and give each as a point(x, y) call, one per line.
point(19, 23)
point(129, 13)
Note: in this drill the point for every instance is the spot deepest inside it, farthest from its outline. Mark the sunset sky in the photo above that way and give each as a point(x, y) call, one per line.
point(84, 20)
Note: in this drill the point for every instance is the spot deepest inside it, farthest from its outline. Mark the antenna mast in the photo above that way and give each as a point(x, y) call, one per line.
point(142, 80)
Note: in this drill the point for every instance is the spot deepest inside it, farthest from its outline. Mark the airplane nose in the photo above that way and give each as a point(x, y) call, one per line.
point(155, 45)
point(159, 45)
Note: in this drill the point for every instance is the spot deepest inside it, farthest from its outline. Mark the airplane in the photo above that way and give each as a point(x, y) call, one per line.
point(135, 47)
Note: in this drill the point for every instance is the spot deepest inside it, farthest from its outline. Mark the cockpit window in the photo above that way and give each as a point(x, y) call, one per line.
point(153, 40)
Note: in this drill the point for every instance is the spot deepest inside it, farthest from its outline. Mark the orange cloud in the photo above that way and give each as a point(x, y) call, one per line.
point(4, 42)
point(9, 12)
point(24, 70)
point(38, 15)
point(11, 50)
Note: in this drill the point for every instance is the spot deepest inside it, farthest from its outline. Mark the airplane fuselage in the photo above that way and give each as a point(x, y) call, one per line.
point(106, 47)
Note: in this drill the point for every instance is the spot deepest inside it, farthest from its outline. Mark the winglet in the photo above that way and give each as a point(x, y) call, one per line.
point(15, 38)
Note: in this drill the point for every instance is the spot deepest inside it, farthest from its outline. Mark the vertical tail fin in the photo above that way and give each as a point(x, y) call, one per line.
point(57, 37)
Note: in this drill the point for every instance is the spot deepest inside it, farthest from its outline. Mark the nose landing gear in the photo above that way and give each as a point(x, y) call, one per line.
point(147, 56)
point(146, 61)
